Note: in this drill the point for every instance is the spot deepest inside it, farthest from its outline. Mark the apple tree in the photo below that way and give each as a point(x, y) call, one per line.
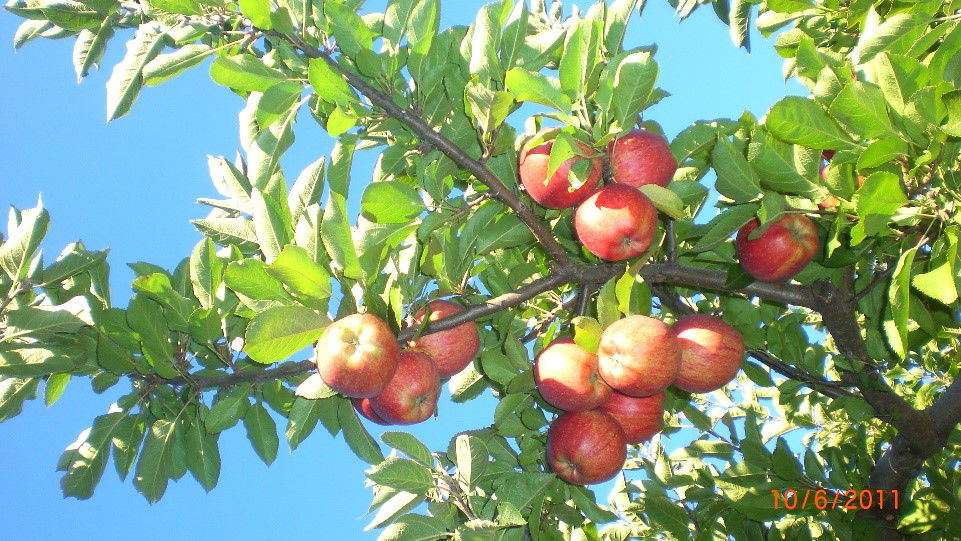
point(854, 352)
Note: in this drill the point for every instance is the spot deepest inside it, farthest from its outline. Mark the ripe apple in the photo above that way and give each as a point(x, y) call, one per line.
point(638, 356)
point(357, 355)
point(453, 349)
point(781, 251)
point(711, 353)
point(411, 395)
point(586, 447)
point(639, 417)
point(641, 157)
point(616, 223)
point(566, 376)
point(556, 192)
point(362, 405)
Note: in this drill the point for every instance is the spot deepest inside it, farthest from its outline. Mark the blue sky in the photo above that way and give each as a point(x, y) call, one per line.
point(131, 185)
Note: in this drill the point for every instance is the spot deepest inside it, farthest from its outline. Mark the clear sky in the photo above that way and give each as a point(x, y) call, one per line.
point(132, 186)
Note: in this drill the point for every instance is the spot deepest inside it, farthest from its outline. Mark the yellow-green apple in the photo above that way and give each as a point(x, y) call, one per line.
point(641, 157)
point(586, 447)
point(411, 395)
point(616, 223)
point(638, 355)
point(711, 353)
point(363, 407)
point(785, 247)
point(639, 417)
point(556, 192)
point(566, 376)
point(357, 355)
point(452, 349)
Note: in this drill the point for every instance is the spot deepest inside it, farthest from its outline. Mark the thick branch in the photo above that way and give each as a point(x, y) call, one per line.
point(827, 388)
point(451, 150)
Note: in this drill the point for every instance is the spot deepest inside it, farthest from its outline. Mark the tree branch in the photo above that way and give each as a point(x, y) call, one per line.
point(456, 154)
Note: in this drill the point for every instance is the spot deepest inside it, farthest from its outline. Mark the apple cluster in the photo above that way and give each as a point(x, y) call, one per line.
point(617, 221)
point(614, 222)
point(359, 357)
point(615, 396)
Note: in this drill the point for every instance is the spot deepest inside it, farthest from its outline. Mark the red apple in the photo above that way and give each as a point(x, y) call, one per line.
point(362, 405)
point(556, 192)
point(411, 395)
point(639, 417)
point(453, 349)
point(638, 356)
point(567, 377)
point(781, 251)
point(711, 353)
point(642, 157)
point(357, 355)
point(616, 223)
point(586, 447)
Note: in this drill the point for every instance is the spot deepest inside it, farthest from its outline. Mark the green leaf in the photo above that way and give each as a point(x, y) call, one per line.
point(203, 456)
point(24, 238)
point(272, 224)
point(607, 311)
point(668, 515)
point(391, 202)
point(780, 166)
point(471, 458)
point(358, 439)
point(723, 225)
point(529, 86)
point(314, 388)
point(56, 384)
point(298, 271)
point(633, 83)
point(784, 463)
point(876, 38)
point(276, 103)
point(579, 57)
point(899, 297)
point(278, 332)
point(413, 527)
point(664, 200)
point(735, 177)
point(861, 108)
point(483, 62)
point(262, 433)
point(615, 24)
point(155, 460)
point(84, 461)
point(587, 332)
point(167, 66)
point(74, 260)
point(245, 73)
point(801, 121)
point(410, 446)
point(127, 78)
point(30, 362)
point(125, 440)
point(69, 318)
point(882, 151)
point(512, 37)
point(228, 410)
point(258, 11)
point(507, 232)
point(303, 417)
point(402, 474)
point(335, 227)
point(307, 189)
point(939, 282)
point(877, 201)
point(206, 272)
point(157, 287)
point(252, 278)
point(740, 23)
point(329, 84)
point(13, 393)
point(226, 231)
point(90, 45)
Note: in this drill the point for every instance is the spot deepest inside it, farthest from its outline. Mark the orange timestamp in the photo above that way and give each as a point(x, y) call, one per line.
point(822, 499)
